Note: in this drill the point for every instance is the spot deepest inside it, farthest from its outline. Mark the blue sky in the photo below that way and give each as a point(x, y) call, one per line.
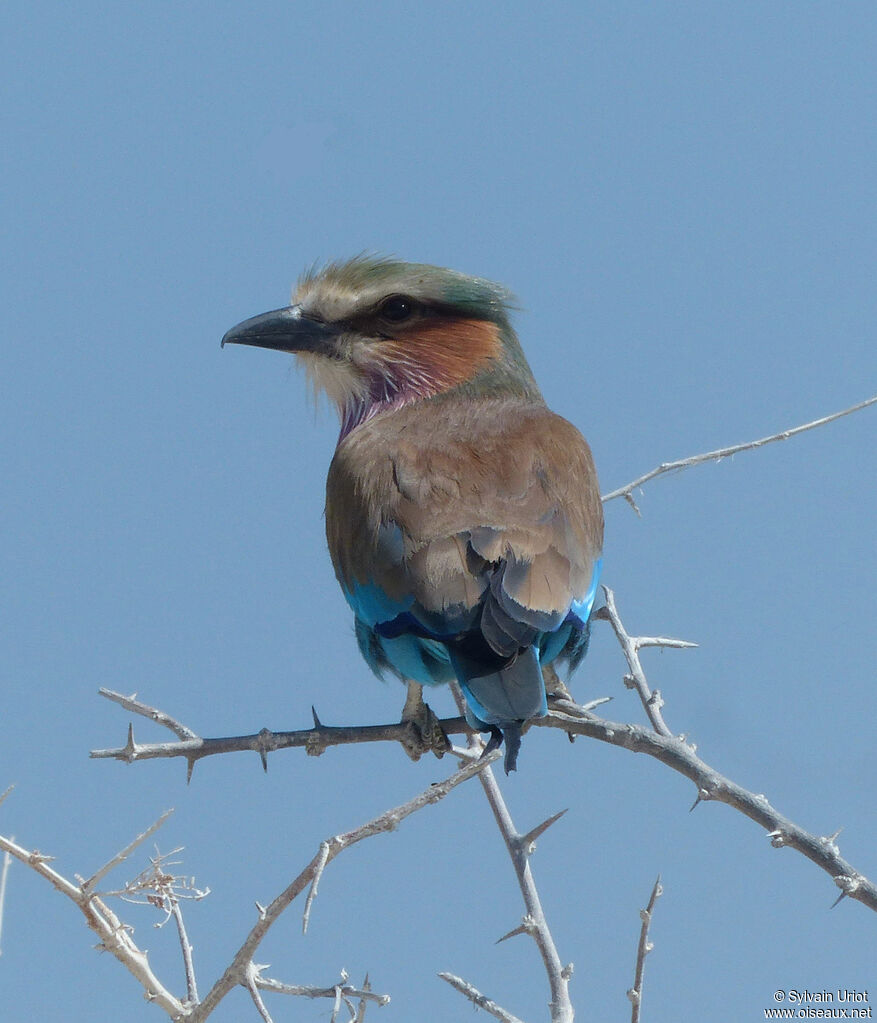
point(682, 196)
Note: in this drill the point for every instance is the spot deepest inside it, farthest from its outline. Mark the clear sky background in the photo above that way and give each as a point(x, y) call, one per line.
point(683, 197)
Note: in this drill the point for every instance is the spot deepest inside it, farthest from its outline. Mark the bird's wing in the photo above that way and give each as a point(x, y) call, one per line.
point(435, 511)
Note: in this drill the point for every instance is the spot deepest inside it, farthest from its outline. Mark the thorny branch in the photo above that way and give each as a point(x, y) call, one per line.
point(236, 973)
point(631, 645)
point(315, 740)
point(116, 936)
point(644, 946)
point(660, 744)
point(520, 848)
point(716, 456)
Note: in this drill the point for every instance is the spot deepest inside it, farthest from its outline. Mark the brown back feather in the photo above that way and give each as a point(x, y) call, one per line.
point(468, 483)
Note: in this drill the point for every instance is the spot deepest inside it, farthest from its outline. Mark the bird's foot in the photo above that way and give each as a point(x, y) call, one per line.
point(554, 685)
point(426, 734)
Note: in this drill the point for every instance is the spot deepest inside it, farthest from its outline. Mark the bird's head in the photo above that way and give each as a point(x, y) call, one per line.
point(378, 333)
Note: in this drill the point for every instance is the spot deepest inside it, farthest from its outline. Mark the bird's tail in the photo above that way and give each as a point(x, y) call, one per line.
point(501, 698)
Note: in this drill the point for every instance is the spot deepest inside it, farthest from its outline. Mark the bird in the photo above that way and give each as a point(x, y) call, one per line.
point(463, 516)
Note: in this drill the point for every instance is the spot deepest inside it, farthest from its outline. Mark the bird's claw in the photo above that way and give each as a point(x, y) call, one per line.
point(425, 732)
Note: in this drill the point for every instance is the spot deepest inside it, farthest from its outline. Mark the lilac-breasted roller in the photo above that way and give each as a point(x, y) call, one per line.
point(463, 516)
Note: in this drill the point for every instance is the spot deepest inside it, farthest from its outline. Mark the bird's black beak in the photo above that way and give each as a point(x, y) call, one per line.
point(286, 330)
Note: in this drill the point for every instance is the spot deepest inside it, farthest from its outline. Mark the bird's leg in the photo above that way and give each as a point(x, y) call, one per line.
point(427, 732)
point(554, 686)
point(556, 690)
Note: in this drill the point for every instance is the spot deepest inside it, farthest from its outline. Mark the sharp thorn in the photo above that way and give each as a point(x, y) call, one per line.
point(531, 836)
point(520, 929)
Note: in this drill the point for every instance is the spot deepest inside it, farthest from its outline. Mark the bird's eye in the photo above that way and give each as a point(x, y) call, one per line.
point(397, 308)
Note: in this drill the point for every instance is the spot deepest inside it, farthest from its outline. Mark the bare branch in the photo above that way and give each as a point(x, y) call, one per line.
point(114, 936)
point(715, 456)
point(713, 786)
point(158, 716)
point(314, 740)
point(4, 874)
point(90, 884)
point(520, 848)
point(478, 999)
point(364, 994)
point(250, 977)
point(537, 926)
point(236, 973)
point(243, 971)
point(312, 893)
point(631, 645)
point(644, 946)
point(336, 1008)
point(186, 946)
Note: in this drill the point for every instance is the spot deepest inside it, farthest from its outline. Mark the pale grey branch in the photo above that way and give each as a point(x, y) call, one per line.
point(91, 883)
point(251, 973)
point(4, 874)
point(312, 893)
point(186, 946)
point(520, 848)
point(364, 994)
point(715, 787)
point(479, 1000)
point(114, 936)
point(631, 645)
point(314, 740)
point(714, 456)
point(158, 716)
point(236, 973)
point(644, 946)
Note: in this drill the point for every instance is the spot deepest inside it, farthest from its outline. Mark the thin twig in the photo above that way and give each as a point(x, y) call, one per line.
point(158, 716)
point(714, 456)
point(186, 946)
point(644, 946)
point(478, 999)
point(364, 994)
point(312, 893)
point(91, 883)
